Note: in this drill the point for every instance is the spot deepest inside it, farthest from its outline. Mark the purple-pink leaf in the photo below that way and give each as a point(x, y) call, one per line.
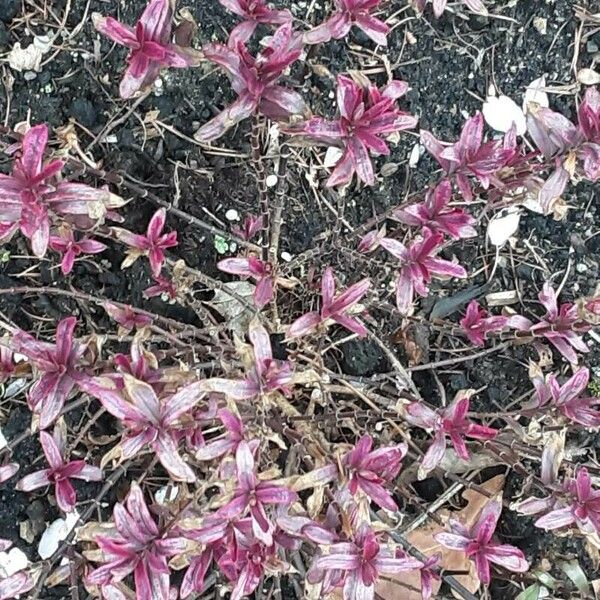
point(57, 365)
point(347, 14)
point(435, 214)
point(32, 196)
point(255, 81)
point(478, 544)
point(418, 266)
point(334, 308)
point(367, 117)
point(149, 43)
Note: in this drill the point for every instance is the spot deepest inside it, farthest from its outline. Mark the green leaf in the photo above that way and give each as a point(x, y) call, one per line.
point(546, 579)
point(530, 593)
point(221, 245)
point(575, 573)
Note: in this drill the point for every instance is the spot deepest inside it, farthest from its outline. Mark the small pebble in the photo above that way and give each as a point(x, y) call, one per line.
point(286, 256)
point(9, 9)
point(232, 215)
point(271, 181)
point(581, 268)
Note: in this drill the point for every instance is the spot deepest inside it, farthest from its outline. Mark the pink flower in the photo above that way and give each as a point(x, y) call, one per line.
point(152, 245)
point(476, 323)
point(148, 419)
point(32, 194)
point(477, 543)
point(137, 547)
point(260, 271)
point(583, 508)
point(367, 116)
point(254, 79)
point(149, 46)
point(419, 266)
point(253, 12)
point(471, 156)
point(126, 317)
point(451, 421)
point(268, 375)
point(558, 325)
point(362, 561)
point(252, 494)
point(60, 472)
point(369, 470)
point(435, 214)
point(568, 398)
point(58, 365)
point(347, 14)
point(333, 308)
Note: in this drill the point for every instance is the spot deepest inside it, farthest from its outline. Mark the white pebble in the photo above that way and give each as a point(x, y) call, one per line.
point(286, 256)
point(232, 215)
point(271, 181)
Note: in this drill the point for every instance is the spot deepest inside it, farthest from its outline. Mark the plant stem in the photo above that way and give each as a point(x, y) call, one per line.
point(261, 185)
point(280, 196)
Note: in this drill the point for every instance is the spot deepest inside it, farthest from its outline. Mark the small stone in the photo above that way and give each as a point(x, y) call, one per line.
point(44, 78)
point(581, 268)
point(592, 47)
point(84, 112)
point(232, 215)
point(541, 24)
point(8, 10)
point(271, 181)
point(286, 256)
point(4, 36)
point(29, 76)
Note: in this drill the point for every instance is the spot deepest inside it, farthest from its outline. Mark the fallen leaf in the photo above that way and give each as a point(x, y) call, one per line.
point(423, 539)
point(504, 298)
point(25, 59)
point(237, 315)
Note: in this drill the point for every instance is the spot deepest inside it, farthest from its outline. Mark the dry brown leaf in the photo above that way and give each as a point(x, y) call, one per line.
point(422, 539)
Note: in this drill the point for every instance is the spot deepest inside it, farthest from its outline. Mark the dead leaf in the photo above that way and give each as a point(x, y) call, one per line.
point(422, 539)
point(238, 315)
point(25, 59)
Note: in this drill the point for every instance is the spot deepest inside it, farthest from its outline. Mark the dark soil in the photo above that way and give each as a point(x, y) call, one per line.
point(449, 67)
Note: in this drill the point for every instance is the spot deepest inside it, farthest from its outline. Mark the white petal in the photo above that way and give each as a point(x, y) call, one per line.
point(503, 225)
point(55, 533)
point(501, 113)
point(332, 157)
point(12, 562)
point(534, 94)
